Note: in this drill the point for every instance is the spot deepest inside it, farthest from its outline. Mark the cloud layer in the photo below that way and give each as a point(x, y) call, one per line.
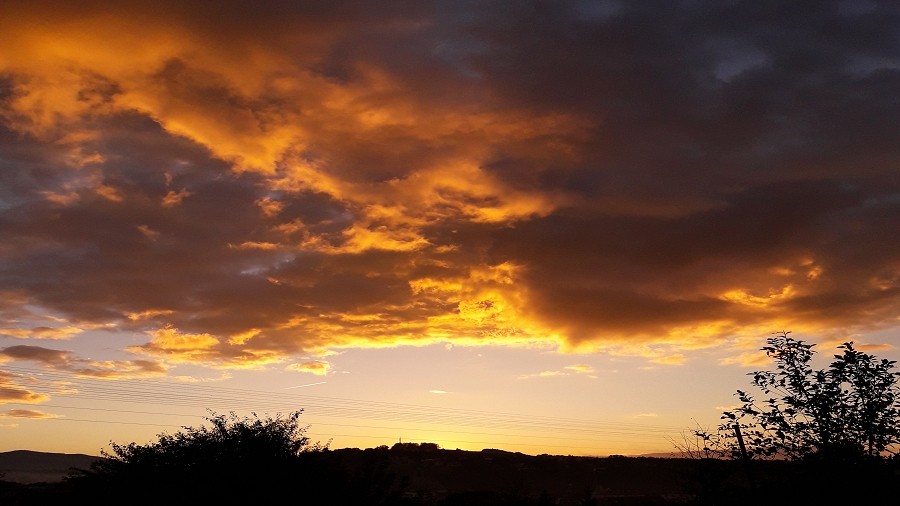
point(246, 186)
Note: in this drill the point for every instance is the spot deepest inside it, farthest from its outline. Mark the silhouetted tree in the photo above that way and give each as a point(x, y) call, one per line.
point(847, 412)
point(838, 427)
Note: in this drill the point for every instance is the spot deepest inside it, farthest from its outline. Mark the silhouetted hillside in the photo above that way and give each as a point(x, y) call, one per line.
point(471, 477)
point(424, 475)
point(25, 466)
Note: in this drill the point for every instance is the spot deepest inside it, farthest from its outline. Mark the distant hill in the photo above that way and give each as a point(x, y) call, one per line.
point(492, 476)
point(26, 466)
point(426, 475)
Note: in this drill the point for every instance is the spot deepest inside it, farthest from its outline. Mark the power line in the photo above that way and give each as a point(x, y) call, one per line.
point(150, 392)
point(146, 393)
point(328, 424)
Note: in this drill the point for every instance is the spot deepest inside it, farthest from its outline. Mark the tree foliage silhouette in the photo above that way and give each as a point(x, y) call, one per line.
point(808, 436)
point(848, 412)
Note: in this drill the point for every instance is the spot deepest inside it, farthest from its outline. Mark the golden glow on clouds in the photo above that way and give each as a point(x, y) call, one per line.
point(177, 346)
point(172, 345)
point(390, 214)
point(149, 313)
point(246, 358)
point(243, 337)
point(435, 286)
point(360, 238)
point(761, 301)
point(269, 207)
point(377, 202)
point(463, 189)
point(266, 246)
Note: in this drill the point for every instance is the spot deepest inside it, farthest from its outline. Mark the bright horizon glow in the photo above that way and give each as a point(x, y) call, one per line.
point(608, 420)
point(344, 422)
point(549, 228)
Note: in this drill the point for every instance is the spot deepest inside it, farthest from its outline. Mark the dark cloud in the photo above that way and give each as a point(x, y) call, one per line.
point(37, 354)
point(619, 275)
point(244, 185)
point(67, 361)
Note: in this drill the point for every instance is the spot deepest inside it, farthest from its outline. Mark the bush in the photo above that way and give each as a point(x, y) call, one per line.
point(234, 457)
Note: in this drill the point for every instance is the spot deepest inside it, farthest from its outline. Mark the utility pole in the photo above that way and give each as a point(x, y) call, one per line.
point(740, 438)
point(744, 457)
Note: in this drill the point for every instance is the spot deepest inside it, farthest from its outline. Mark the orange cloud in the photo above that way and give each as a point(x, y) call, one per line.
point(176, 346)
point(148, 313)
point(174, 198)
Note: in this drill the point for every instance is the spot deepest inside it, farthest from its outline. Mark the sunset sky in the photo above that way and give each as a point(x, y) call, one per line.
point(559, 227)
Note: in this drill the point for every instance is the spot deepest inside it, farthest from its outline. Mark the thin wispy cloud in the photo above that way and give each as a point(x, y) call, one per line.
point(27, 413)
point(583, 370)
point(306, 385)
point(317, 367)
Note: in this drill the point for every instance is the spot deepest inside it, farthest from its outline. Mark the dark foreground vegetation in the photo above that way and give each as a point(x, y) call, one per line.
point(845, 414)
point(828, 436)
point(262, 461)
point(420, 475)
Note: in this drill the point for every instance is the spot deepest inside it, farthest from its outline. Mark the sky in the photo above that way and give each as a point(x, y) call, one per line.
point(558, 227)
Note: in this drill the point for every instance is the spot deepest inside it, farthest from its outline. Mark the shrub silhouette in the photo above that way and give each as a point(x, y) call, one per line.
point(233, 458)
point(228, 439)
